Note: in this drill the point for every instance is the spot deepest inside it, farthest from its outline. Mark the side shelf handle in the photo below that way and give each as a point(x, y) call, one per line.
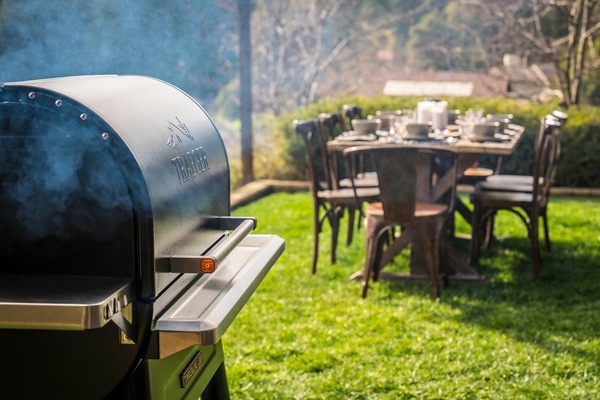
point(209, 262)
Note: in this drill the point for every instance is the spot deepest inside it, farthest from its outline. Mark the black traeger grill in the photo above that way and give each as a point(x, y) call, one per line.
point(121, 267)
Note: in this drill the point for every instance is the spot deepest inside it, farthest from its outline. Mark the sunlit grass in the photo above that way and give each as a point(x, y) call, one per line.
point(304, 336)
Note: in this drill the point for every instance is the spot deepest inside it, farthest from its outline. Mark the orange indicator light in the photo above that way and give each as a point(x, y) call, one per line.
point(207, 265)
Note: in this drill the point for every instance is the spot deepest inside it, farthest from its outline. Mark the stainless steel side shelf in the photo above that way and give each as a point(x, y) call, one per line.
point(61, 302)
point(211, 303)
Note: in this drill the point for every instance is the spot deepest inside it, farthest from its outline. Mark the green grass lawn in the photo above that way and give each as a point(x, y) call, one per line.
point(304, 336)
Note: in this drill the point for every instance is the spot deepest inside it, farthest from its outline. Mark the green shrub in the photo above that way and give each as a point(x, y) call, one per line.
point(580, 137)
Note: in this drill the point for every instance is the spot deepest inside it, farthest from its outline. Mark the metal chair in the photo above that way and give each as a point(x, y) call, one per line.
point(528, 206)
point(328, 204)
point(400, 181)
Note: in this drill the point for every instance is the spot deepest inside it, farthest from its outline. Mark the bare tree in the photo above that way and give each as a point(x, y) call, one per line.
point(303, 44)
point(244, 13)
point(558, 31)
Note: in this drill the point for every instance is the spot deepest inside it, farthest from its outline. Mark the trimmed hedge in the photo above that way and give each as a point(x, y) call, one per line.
point(580, 138)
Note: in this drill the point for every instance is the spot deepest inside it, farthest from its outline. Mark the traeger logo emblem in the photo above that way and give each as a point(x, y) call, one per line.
point(190, 165)
point(176, 131)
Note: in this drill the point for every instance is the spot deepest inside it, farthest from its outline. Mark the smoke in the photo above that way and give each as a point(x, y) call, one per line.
point(63, 200)
point(190, 44)
point(55, 181)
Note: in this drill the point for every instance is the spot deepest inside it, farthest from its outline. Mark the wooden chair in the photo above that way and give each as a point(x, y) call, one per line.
point(328, 204)
point(351, 112)
point(400, 175)
point(528, 206)
point(524, 183)
point(473, 176)
point(331, 126)
point(494, 182)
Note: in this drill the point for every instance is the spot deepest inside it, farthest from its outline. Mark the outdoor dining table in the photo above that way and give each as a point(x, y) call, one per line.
point(469, 151)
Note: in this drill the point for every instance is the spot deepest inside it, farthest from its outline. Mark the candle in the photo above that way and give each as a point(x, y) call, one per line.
point(424, 112)
point(440, 115)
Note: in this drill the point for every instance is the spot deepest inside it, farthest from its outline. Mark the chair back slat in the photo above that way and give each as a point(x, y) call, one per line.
point(544, 160)
point(308, 130)
point(562, 118)
point(399, 175)
point(331, 126)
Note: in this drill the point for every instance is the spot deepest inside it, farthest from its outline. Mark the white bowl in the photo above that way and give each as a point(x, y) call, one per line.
point(486, 129)
point(387, 121)
point(504, 122)
point(365, 126)
point(415, 129)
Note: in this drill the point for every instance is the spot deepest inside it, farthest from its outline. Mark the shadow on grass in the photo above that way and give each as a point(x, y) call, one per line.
point(559, 313)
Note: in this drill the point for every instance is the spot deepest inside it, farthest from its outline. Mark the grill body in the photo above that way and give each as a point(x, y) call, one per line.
point(110, 187)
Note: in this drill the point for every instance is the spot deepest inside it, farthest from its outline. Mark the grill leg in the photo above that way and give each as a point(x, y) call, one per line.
point(197, 372)
point(218, 387)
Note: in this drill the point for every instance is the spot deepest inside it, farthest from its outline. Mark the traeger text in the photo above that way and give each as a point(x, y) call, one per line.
point(191, 164)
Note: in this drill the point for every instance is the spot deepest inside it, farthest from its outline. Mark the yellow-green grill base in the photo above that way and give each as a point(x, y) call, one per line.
point(206, 379)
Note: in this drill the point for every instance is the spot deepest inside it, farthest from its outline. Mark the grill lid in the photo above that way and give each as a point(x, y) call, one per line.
point(136, 144)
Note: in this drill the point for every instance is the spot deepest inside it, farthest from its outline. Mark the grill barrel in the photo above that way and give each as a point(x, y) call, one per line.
point(122, 267)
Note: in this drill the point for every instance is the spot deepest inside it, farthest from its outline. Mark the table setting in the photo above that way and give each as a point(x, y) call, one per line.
point(432, 122)
point(432, 125)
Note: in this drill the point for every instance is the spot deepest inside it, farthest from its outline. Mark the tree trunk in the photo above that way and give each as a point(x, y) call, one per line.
point(246, 90)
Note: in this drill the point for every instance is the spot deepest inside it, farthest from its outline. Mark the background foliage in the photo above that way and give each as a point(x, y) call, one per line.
point(305, 52)
point(580, 138)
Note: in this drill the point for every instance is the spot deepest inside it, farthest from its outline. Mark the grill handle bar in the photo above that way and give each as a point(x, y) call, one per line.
point(208, 262)
point(224, 247)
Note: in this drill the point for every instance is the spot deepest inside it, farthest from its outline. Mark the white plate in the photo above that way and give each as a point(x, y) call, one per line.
point(421, 138)
point(495, 138)
point(357, 138)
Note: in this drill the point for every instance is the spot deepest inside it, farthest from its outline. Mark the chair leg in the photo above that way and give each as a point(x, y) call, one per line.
point(536, 257)
point(381, 241)
point(316, 231)
point(373, 236)
point(369, 263)
point(443, 251)
point(350, 234)
point(489, 231)
point(359, 220)
point(475, 234)
point(546, 230)
point(431, 254)
point(335, 231)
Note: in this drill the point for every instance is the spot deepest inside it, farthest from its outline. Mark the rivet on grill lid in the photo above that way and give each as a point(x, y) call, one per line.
point(83, 116)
